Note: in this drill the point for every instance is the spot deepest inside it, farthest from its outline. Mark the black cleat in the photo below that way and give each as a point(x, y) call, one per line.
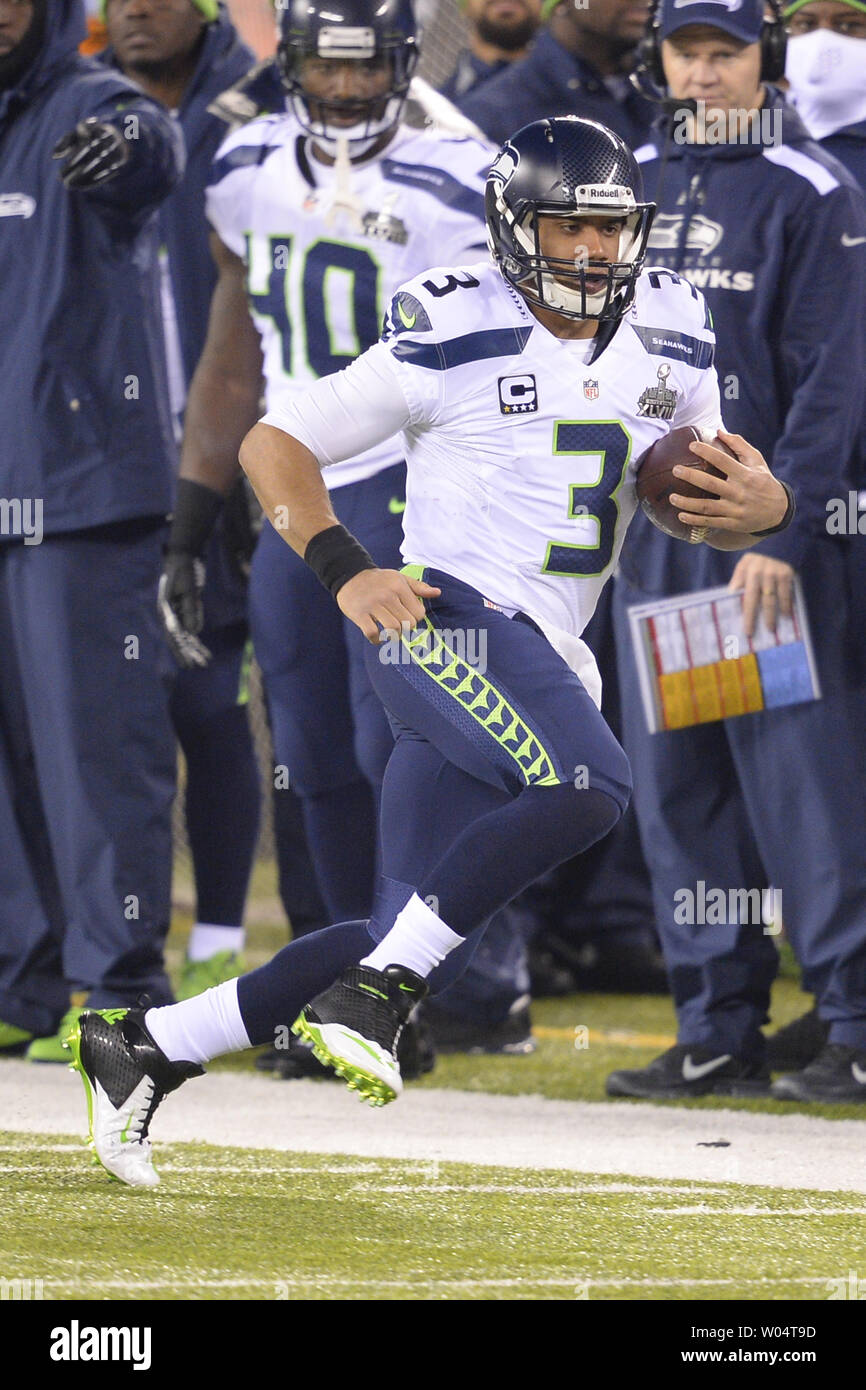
point(125, 1076)
point(684, 1071)
point(355, 1027)
point(837, 1076)
point(798, 1043)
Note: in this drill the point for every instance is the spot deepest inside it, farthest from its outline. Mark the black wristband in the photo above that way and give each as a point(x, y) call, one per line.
point(195, 513)
point(335, 557)
point(786, 519)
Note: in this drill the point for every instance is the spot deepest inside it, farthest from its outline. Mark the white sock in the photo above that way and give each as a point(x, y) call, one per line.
point(206, 940)
point(418, 939)
point(201, 1028)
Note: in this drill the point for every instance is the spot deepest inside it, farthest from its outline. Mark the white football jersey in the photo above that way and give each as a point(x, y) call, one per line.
point(521, 452)
point(325, 247)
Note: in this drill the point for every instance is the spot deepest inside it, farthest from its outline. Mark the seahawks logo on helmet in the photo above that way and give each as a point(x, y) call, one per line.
point(567, 166)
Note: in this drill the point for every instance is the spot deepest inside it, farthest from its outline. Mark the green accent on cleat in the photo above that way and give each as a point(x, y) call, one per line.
point(72, 1041)
point(112, 1015)
point(378, 992)
point(368, 1087)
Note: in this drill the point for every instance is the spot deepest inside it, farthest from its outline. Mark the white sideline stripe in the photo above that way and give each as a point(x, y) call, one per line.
point(573, 1139)
point(333, 1283)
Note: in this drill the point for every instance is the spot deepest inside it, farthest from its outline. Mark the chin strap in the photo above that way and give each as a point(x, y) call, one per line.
point(345, 199)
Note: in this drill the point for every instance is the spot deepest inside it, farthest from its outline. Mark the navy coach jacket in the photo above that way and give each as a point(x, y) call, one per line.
point(83, 393)
point(550, 81)
point(849, 146)
point(772, 233)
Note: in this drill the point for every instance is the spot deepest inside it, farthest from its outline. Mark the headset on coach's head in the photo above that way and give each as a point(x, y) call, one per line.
point(649, 74)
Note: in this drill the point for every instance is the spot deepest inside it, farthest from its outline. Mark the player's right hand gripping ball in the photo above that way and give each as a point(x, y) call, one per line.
point(655, 480)
point(94, 152)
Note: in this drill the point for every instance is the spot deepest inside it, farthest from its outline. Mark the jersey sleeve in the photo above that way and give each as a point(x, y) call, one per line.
point(353, 410)
point(397, 385)
point(702, 407)
point(687, 337)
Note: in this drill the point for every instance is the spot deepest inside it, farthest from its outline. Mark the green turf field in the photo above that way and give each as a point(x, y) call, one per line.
point(235, 1224)
point(266, 1225)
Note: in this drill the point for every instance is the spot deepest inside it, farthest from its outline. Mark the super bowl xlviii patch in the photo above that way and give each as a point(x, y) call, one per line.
point(659, 402)
point(384, 226)
point(518, 395)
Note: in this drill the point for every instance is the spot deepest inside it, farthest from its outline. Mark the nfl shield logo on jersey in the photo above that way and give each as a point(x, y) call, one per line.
point(590, 390)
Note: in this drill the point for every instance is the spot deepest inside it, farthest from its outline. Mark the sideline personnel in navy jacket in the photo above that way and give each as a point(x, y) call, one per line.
point(773, 230)
point(86, 470)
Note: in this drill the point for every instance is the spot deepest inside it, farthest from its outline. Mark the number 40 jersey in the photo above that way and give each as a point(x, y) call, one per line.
point(520, 447)
point(325, 246)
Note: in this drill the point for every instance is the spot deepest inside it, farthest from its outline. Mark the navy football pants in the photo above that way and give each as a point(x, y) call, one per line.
point(222, 799)
point(497, 775)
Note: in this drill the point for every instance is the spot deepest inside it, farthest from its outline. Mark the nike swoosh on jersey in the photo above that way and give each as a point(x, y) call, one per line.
point(858, 1073)
point(693, 1071)
point(852, 240)
point(396, 505)
point(407, 322)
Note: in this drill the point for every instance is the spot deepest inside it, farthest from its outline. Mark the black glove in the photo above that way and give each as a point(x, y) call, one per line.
point(179, 598)
point(182, 583)
point(94, 152)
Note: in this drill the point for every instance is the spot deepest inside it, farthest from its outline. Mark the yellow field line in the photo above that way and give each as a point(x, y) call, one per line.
point(621, 1037)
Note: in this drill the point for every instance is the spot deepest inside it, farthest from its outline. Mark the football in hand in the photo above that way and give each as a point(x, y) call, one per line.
point(655, 480)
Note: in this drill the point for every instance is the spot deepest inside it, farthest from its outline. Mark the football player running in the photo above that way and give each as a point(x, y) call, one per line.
point(515, 386)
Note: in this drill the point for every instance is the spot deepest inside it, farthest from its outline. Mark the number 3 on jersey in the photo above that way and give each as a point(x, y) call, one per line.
point(338, 305)
point(606, 444)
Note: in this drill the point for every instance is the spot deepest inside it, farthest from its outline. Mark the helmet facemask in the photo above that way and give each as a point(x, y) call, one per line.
point(570, 169)
point(375, 115)
point(581, 288)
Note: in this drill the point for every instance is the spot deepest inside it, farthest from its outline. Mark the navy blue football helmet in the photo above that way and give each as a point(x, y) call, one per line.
point(560, 167)
point(353, 30)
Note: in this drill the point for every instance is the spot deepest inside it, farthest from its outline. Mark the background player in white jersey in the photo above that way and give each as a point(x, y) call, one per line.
point(319, 212)
point(520, 488)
